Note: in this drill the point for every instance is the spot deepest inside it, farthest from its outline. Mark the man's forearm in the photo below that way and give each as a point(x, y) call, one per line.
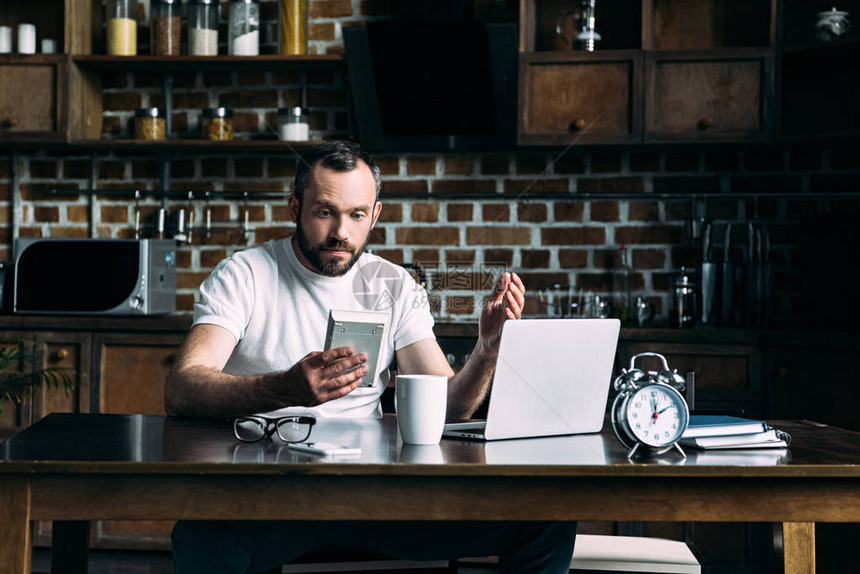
point(201, 391)
point(469, 387)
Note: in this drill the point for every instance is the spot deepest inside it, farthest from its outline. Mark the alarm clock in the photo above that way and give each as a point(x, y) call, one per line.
point(649, 413)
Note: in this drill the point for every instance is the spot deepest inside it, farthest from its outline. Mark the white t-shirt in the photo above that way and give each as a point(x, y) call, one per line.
point(278, 311)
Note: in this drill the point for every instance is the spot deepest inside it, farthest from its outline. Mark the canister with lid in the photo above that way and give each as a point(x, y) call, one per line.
point(150, 124)
point(203, 27)
point(293, 27)
point(121, 27)
point(684, 297)
point(244, 28)
point(166, 27)
point(218, 124)
point(293, 124)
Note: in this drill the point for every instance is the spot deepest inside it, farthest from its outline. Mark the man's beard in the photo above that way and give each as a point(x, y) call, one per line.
point(312, 253)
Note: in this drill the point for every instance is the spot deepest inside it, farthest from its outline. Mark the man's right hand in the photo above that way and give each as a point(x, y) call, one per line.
point(321, 376)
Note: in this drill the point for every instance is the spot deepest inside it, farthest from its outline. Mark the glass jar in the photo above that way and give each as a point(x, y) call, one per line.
point(121, 27)
point(166, 27)
point(683, 313)
point(244, 28)
point(293, 124)
point(203, 27)
point(218, 124)
point(293, 24)
point(150, 124)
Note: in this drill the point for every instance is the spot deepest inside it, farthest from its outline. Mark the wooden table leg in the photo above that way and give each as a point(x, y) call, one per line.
point(799, 547)
point(15, 551)
point(70, 547)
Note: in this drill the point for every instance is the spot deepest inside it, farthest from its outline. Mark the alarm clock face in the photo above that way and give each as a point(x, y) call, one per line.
point(656, 415)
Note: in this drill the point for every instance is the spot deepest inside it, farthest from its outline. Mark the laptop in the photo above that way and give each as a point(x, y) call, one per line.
point(552, 378)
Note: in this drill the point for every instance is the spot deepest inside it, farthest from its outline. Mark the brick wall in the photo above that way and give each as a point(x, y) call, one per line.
point(550, 235)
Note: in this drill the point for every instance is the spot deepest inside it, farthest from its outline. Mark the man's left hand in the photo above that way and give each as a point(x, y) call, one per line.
point(505, 302)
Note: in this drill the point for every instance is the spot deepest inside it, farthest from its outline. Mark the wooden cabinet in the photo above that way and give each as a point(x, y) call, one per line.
point(43, 97)
point(32, 101)
point(727, 376)
point(579, 97)
point(706, 67)
point(702, 96)
point(819, 86)
point(144, 358)
point(116, 370)
point(14, 418)
point(810, 378)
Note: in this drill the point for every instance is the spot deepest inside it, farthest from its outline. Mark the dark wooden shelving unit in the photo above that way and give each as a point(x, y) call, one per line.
point(216, 63)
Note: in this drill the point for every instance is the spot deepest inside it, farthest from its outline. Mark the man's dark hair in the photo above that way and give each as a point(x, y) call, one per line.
point(339, 155)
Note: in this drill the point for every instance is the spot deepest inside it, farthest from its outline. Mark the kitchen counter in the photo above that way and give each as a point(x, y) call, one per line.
point(180, 323)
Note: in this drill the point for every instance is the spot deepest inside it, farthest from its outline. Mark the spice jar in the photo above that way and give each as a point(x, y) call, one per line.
point(218, 124)
point(293, 124)
point(293, 19)
point(244, 28)
point(121, 27)
point(166, 27)
point(203, 27)
point(149, 124)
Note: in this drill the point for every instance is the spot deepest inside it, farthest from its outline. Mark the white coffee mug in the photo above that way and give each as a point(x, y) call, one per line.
point(421, 402)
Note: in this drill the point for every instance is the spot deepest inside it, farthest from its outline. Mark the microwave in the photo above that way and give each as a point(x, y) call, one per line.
point(62, 276)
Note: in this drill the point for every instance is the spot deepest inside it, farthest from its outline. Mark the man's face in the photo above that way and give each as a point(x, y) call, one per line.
point(333, 224)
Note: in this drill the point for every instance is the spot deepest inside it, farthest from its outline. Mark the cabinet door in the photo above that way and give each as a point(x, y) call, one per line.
point(32, 98)
point(131, 372)
point(15, 418)
point(130, 380)
point(727, 377)
point(709, 95)
point(70, 352)
point(580, 98)
point(814, 383)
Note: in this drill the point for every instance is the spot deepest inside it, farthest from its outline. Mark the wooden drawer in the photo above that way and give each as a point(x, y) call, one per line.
point(708, 96)
point(580, 98)
point(727, 377)
point(32, 98)
point(134, 367)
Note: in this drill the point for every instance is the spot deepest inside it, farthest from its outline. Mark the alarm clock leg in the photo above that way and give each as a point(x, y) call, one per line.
point(633, 450)
point(684, 454)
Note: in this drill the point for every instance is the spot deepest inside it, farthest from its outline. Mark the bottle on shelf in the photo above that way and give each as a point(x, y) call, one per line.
point(218, 124)
point(293, 29)
point(293, 124)
point(166, 27)
point(203, 27)
point(121, 28)
point(150, 124)
point(244, 28)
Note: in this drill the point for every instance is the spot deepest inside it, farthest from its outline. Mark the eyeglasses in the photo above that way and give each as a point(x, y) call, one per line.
point(289, 429)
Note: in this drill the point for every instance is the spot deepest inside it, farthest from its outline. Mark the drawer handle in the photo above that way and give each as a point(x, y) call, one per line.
point(61, 354)
point(705, 123)
point(576, 125)
point(9, 122)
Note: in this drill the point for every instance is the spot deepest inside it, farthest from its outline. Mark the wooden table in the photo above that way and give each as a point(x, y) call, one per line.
point(73, 468)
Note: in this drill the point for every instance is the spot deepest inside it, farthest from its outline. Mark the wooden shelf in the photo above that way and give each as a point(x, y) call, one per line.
point(216, 63)
point(172, 145)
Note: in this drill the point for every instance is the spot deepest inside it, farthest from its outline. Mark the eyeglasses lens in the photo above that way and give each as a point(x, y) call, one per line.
point(249, 429)
point(291, 430)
